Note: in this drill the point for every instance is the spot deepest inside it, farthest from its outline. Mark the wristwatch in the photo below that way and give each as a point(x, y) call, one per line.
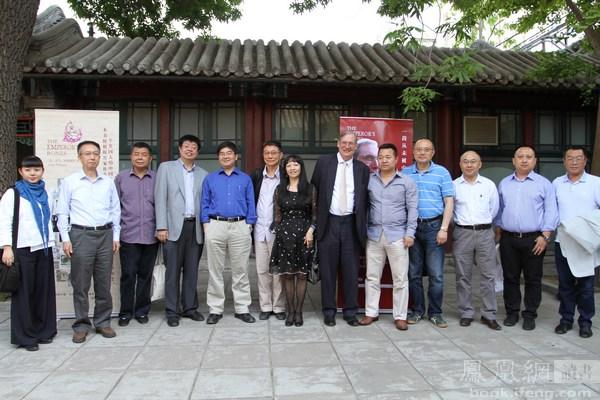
point(444, 229)
point(546, 238)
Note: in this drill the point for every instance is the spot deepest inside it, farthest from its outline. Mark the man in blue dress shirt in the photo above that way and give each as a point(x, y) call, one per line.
point(228, 213)
point(89, 217)
point(526, 219)
point(577, 194)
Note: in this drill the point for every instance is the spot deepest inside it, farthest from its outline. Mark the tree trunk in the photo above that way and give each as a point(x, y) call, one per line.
point(16, 25)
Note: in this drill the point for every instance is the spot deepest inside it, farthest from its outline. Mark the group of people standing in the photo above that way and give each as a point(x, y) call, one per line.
point(343, 209)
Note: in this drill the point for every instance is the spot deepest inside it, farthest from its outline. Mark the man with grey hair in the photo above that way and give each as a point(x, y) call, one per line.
point(341, 225)
point(366, 152)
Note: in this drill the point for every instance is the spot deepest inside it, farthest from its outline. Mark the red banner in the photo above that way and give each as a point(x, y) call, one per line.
point(372, 132)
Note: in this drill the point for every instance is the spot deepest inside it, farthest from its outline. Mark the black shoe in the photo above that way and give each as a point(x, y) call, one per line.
point(528, 324)
point(585, 331)
point(124, 321)
point(246, 317)
point(194, 316)
point(264, 315)
point(142, 319)
point(280, 316)
point(45, 341)
point(562, 328)
point(213, 318)
point(291, 317)
point(173, 321)
point(491, 323)
point(299, 321)
point(329, 320)
point(352, 321)
point(30, 347)
point(511, 320)
point(465, 321)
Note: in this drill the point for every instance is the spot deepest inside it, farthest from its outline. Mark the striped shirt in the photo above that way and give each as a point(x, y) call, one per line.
point(433, 185)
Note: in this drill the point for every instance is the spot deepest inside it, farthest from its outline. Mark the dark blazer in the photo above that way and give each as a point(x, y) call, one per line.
point(323, 179)
point(257, 178)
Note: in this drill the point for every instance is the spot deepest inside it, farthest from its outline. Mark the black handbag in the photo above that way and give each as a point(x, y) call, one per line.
point(10, 276)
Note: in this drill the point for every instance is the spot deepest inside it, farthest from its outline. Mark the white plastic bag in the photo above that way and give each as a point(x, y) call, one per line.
point(158, 278)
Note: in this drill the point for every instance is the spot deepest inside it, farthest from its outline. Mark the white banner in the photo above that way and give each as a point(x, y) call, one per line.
point(57, 134)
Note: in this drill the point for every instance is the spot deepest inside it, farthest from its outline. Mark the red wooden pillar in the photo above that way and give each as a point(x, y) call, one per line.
point(448, 139)
point(164, 130)
point(528, 128)
point(254, 131)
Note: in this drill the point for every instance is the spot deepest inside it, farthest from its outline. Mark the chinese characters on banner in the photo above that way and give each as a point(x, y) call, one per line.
point(57, 134)
point(372, 132)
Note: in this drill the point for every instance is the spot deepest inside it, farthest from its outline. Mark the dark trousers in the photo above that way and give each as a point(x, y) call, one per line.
point(517, 256)
point(137, 264)
point(339, 248)
point(182, 256)
point(574, 292)
point(92, 258)
point(33, 305)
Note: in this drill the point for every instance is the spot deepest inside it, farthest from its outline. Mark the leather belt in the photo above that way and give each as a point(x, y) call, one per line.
point(92, 228)
point(419, 220)
point(227, 219)
point(189, 219)
point(522, 234)
point(479, 227)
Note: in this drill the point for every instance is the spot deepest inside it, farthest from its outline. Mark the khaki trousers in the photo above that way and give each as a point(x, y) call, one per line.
point(233, 238)
point(270, 291)
point(398, 257)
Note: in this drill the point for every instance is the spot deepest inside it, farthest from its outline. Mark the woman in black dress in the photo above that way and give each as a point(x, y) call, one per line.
point(295, 219)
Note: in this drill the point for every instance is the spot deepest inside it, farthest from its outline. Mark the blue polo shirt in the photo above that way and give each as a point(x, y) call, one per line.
point(433, 185)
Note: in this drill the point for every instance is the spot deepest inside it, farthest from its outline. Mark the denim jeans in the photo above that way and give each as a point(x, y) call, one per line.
point(426, 255)
point(574, 292)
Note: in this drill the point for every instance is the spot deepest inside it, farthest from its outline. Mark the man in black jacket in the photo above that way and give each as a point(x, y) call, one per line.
point(341, 185)
point(265, 181)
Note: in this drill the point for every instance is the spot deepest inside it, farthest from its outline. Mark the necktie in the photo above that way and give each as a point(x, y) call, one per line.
point(343, 190)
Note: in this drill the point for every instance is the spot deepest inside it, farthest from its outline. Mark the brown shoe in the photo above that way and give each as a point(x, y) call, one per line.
point(106, 332)
point(79, 337)
point(401, 324)
point(366, 320)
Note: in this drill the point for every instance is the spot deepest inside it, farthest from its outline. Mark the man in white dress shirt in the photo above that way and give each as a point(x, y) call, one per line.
point(89, 214)
point(475, 206)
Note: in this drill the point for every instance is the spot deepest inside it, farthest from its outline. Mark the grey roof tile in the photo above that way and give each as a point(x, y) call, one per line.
point(57, 46)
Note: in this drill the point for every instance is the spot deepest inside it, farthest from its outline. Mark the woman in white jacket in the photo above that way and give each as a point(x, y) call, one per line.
point(33, 305)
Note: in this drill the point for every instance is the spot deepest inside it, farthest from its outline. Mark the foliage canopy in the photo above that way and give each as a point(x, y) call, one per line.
point(155, 18)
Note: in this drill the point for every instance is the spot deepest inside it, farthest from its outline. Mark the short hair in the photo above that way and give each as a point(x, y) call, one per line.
point(576, 147)
point(141, 145)
point(362, 141)
point(227, 145)
point(189, 138)
point(424, 138)
point(524, 146)
point(86, 142)
point(275, 143)
point(388, 146)
point(31, 162)
point(344, 133)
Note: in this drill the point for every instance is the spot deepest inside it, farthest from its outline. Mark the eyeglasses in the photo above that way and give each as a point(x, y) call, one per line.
point(576, 159)
point(423, 149)
point(271, 153)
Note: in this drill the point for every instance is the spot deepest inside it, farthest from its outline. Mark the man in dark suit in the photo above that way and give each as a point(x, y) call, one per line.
point(341, 185)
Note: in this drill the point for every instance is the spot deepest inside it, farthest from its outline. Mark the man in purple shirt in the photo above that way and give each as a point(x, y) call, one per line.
point(526, 218)
point(139, 246)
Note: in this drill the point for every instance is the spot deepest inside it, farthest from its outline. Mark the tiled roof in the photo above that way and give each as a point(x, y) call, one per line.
point(62, 49)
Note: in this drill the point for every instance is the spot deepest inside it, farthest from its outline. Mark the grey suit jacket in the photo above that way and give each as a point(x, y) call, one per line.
point(169, 199)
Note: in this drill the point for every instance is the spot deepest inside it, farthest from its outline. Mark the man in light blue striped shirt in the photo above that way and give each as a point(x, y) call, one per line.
point(436, 203)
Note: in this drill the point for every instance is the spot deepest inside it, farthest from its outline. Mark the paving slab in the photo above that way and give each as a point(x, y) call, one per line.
point(303, 354)
point(154, 385)
point(233, 383)
point(75, 385)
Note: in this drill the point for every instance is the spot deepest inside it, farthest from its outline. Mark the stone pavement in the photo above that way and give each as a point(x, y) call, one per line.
point(266, 360)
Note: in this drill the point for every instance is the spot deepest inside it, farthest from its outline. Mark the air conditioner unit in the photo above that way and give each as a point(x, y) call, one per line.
point(480, 131)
